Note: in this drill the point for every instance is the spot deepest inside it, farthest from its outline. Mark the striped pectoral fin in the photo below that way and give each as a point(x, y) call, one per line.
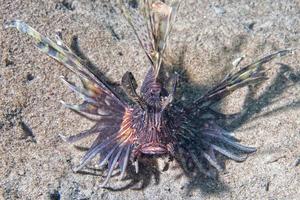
point(86, 109)
point(250, 74)
point(63, 54)
point(229, 154)
point(254, 67)
point(228, 89)
point(24, 28)
point(112, 115)
point(87, 95)
point(44, 44)
point(253, 76)
point(74, 138)
point(213, 161)
point(253, 71)
point(114, 146)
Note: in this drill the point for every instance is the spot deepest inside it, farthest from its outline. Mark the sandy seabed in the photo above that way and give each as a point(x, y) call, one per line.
point(207, 37)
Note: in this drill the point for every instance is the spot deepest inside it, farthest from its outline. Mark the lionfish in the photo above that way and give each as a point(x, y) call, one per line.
point(152, 122)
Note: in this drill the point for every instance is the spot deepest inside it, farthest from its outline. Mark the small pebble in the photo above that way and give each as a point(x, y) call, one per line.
point(249, 26)
point(29, 77)
point(8, 62)
point(297, 163)
point(219, 10)
point(267, 186)
point(54, 195)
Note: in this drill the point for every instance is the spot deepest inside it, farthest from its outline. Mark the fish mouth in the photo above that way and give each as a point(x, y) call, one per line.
point(154, 148)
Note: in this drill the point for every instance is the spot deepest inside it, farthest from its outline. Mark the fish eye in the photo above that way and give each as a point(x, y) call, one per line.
point(154, 91)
